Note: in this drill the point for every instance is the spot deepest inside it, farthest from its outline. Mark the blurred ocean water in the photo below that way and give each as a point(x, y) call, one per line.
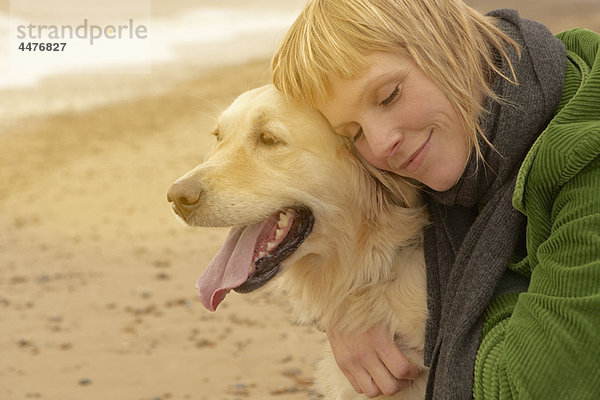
point(204, 36)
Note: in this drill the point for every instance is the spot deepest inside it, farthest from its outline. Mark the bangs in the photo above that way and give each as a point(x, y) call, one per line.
point(332, 42)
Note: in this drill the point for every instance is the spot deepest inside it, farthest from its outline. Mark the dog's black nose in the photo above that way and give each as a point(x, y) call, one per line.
point(184, 196)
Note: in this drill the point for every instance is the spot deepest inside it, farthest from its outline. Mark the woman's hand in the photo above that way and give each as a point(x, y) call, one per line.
point(372, 362)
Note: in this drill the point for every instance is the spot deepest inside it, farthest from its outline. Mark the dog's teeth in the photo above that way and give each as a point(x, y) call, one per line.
point(278, 234)
point(261, 254)
point(283, 220)
point(270, 246)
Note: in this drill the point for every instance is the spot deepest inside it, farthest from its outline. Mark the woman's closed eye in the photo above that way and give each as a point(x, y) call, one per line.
point(391, 97)
point(357, 136)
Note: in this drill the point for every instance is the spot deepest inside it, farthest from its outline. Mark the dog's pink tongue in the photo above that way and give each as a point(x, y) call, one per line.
point(230, 267)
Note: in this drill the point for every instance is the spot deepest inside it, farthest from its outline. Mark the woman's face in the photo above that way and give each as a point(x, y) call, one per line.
point(400, 121)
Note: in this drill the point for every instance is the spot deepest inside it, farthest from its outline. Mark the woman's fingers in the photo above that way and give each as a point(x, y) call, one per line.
point(386, 383)
point(372, 362)
point(350, 376)
point(397, 363)
point(366, 384)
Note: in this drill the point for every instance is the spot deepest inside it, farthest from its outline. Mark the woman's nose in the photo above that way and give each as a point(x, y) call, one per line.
point(378, 141)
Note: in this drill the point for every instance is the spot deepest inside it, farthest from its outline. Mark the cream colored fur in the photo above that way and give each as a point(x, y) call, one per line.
point(363, 264)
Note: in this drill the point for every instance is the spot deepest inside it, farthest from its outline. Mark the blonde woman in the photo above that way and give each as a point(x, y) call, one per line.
point(499, 122)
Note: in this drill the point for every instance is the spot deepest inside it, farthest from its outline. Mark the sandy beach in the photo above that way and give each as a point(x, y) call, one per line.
point(97, 297)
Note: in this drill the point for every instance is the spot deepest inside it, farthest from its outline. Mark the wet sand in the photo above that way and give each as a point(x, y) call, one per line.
point(97, 297)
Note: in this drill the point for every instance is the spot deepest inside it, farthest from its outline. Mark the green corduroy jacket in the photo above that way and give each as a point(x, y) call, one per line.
point(545, 343)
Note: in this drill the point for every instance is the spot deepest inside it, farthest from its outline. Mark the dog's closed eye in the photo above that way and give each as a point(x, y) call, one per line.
point(268, 139)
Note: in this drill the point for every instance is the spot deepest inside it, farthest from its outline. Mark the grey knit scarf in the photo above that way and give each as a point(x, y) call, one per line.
point(475, 230)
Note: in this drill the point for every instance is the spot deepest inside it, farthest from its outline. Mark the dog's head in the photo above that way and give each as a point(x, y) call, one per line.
point(268, 154)
point(273, 164)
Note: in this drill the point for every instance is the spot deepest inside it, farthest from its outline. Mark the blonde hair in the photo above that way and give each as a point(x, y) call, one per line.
point(456, 47)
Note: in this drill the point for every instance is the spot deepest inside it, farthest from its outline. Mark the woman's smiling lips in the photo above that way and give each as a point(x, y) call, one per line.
point(416, 159)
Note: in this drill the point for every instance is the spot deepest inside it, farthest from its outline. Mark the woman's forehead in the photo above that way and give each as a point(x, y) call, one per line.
point(381, 67)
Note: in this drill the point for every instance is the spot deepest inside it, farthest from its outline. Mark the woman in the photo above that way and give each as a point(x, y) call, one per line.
point(500, 122)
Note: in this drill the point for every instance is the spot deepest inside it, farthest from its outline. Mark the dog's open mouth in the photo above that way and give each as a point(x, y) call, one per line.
point(252, 255)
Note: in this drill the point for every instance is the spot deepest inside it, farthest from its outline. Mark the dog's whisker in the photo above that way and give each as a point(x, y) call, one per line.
point(215, 108)
point(209, 116)
point(272, 219)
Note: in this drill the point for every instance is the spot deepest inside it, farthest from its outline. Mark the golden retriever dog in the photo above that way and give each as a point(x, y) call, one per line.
point(344, 239)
